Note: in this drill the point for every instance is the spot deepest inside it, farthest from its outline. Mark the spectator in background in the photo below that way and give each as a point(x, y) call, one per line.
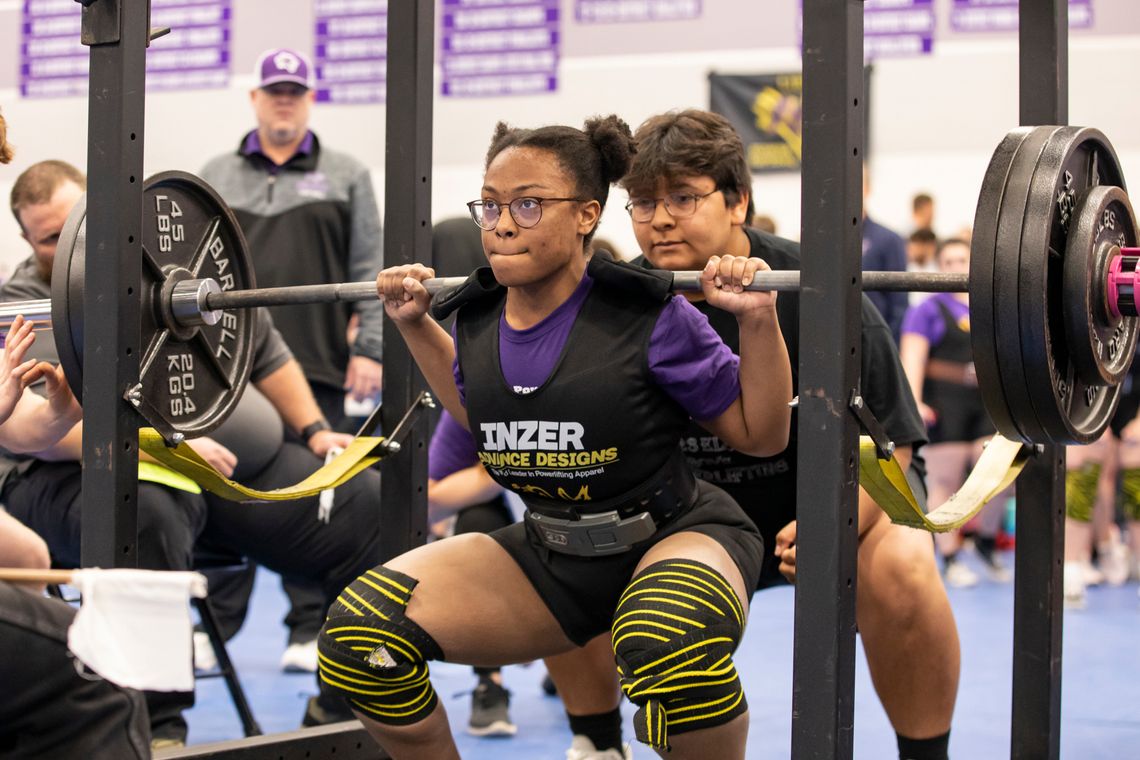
point(922, 211)
point(883, 251)
point(48, 708)
point(310, 216)
point(921, 248)
point(764, 223)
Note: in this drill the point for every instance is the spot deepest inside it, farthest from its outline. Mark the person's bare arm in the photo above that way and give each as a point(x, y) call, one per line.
point(914, 351)
point(759, 421)
point(406, 303)
point(462, 488)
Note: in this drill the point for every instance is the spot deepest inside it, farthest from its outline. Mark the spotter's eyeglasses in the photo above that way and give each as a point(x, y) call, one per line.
point(677, 205)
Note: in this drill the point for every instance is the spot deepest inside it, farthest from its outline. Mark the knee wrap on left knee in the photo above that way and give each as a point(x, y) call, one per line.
point(1080, 491)
point(372, 654)
point(674, 632)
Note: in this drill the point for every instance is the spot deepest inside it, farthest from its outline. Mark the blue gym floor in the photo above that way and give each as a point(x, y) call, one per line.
point(1101, 701)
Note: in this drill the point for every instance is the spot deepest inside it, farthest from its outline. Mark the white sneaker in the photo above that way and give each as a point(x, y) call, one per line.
point(300, 658)
point(581, 748)
point(960, 576)
point(1074, 585)
point(1093, 577)
point(204, 657)
point(1114, 561)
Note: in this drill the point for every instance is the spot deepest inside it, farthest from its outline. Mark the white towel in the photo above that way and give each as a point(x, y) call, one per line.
point(133, 627)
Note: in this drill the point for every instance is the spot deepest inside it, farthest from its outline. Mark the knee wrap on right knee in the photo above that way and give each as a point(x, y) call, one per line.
point(1080, 491)
point(675, 629)
point(1130, 492)
point(372, 654)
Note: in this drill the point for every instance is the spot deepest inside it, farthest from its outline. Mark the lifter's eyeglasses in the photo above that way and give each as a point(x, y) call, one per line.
point(526, 211)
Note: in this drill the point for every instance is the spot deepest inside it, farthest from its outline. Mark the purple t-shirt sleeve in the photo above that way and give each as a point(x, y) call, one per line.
point(925, 319)
point(452, 449)
point(691, 362)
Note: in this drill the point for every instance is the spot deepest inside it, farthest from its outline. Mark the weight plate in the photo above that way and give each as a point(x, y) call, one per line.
point(1068, 409)
point(1100, 345)
point(193, 377)
point(983, 293)
point(1008, 309)
point(66, 313)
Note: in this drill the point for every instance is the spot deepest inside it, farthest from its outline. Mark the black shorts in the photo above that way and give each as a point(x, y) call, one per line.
point(961, 412)
point(582, 592)
point(1126, 411)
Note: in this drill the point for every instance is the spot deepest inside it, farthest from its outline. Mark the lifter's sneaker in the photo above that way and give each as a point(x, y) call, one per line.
point(489, 710)
point(581, 748)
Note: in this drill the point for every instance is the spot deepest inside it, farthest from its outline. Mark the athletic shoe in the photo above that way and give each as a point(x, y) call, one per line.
point(1092, 576)
point(1074, 585)
point(204, 657)
point(581, 748)
point(300, 657)
point(959, 576)
point(1113, 557)
point(489, 711)
point(548, 687)
point(996, 570)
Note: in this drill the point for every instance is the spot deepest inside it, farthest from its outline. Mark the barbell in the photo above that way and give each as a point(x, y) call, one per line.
point(1052, 281)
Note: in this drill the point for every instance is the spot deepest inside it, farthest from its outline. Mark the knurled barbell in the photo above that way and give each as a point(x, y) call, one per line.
point(1052, 285)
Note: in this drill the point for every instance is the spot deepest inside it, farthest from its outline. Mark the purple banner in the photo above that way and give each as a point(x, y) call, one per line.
point(490, 48)
point(53, 63)
point(1001, 15)
point(351, 50)
point(897, 28)
point(616, 11)
point(891, 28)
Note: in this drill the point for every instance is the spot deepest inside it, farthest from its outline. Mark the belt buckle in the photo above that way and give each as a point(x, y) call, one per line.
point(593, 535)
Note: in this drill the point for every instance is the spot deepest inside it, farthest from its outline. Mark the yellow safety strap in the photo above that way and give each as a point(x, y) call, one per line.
point(357, 457)
point(164, 476)
point(1001, 462)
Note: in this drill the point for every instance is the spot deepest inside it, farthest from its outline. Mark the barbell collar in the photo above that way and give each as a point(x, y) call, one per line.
point(188, 303)
point(1122, 277)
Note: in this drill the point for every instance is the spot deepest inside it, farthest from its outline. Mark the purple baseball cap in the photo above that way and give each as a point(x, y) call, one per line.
point(284, 65)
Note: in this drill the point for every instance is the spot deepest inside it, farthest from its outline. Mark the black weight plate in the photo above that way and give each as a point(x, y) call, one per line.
point(1068, 409)
point(1008, 309)
point(67, 300)
point(1018, 416)
point(193, 381)
point(982, 265)
point(1101, 345)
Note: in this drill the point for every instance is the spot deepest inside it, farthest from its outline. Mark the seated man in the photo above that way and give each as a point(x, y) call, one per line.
point(42, 491)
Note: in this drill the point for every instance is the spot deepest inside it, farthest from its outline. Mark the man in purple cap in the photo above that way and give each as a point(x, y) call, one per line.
point(309, 214)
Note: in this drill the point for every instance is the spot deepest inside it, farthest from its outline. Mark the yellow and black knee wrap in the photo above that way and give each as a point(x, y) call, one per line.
point(372, 654)
point(674, 632)
point(1080, 491)
point(1130, 492)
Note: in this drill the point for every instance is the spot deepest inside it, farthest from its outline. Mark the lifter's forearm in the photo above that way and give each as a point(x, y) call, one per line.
point(765, 384)
point(434, 353)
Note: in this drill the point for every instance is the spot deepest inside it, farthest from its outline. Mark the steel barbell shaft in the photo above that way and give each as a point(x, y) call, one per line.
point(39, 311)
point(924, 282)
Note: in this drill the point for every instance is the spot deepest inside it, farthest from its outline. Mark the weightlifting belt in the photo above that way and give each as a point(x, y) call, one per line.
point(613, 526)
point(959, 373)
